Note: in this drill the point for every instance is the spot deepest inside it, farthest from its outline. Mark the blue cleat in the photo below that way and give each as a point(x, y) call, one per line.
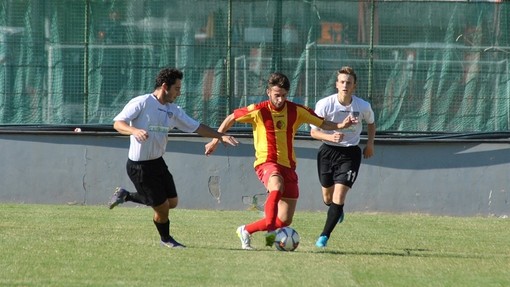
point(322, 241)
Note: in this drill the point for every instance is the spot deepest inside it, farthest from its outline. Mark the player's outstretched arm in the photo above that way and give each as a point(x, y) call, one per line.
point(347, 122)
point(318, 134)
point(208, 132)
point(210, 147)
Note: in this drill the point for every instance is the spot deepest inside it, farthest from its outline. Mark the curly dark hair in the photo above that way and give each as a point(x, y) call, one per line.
point(168, 76)
point(278, 80)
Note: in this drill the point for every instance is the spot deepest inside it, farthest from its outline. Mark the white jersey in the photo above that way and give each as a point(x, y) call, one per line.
point(330, 109)
point(147, 113)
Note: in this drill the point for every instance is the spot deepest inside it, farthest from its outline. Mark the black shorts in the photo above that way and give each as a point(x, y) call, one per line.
point(152, 180)
point(338, 165)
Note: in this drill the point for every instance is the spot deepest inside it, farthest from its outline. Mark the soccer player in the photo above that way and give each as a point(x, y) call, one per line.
point(339, 157)
point(275, 123)
point(147, 119)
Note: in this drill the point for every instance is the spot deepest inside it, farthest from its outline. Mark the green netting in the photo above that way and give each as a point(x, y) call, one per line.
point(426, 66)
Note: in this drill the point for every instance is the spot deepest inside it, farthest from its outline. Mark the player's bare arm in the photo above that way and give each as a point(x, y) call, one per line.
point(125, 129)
point(347, 122)
point(318, 134)
point(227, 123)
point(206, 131)
point(368, 151)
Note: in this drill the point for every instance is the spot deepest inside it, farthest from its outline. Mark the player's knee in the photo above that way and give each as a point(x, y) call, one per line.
point(327, 198)
point(172, 202)
point(282, 223)
point(160, 217)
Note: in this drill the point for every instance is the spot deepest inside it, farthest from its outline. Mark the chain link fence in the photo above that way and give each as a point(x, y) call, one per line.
point(426, 66)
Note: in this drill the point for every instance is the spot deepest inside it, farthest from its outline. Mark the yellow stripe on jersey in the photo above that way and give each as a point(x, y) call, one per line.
point(274, 131)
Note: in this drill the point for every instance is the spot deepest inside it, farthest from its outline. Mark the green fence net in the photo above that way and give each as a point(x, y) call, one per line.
point(425, 66)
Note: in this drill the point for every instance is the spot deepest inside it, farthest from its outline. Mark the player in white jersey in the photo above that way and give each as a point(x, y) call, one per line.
point(339, 157)
point(147, 119)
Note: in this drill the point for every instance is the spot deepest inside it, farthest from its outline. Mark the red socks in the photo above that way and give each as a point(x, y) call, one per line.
point(280, 224)
point(271, 209)
point(271, 221)
point(259, 225)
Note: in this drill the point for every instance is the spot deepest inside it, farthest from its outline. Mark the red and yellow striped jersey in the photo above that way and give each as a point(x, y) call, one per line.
point(274, 130)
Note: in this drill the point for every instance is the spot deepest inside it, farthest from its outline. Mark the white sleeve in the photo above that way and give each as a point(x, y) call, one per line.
point(319, 110)
point(184, 122)
point(130, 111)
point(368, 114)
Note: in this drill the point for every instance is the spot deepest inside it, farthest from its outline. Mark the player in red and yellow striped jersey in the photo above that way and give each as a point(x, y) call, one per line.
point(274, 136)
point(275, 123)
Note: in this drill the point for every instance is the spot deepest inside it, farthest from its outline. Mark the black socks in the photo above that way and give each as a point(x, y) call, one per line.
point(134, 197)
point(335, 211)
point(164, 230)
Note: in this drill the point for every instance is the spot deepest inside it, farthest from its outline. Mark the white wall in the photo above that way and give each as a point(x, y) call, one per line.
point(460, 178)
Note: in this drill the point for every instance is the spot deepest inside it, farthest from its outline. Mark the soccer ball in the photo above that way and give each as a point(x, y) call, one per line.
point(287, 239)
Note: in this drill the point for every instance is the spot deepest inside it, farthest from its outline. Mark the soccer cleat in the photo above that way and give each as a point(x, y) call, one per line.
point(322, 241)
point(270, 237)
point(341, 219)
point(171, 243)
point(245, 238)
point(118, 197)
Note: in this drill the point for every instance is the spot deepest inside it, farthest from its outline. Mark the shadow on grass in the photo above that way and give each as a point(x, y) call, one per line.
point(416, 252)
point(413, 252)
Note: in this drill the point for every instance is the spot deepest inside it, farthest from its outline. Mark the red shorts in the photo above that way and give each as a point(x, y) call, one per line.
point(266, 170)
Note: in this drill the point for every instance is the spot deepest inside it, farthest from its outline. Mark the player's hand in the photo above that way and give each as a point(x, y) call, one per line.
point(141, 135)
point(210, 147)
point(368, 151)
point(349, 121)
point(226, 139)
point(336, 137)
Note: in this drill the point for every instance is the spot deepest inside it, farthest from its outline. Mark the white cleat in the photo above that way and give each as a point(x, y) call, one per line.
point(245, 238)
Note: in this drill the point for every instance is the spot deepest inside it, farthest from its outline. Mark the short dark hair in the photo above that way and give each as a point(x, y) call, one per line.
point(278, 80)
point(348, 71)
point(168, 76)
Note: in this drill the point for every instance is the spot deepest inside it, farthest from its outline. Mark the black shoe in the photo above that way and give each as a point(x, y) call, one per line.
point(118, 197)
point(171, 243)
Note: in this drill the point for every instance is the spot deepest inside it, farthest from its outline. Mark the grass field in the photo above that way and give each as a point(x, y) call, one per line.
point(59, 245)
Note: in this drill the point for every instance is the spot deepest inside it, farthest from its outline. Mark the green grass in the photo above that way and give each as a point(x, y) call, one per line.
point(59, 245)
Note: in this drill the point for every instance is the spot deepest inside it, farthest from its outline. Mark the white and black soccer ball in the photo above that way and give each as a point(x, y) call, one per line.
point(287, 239)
